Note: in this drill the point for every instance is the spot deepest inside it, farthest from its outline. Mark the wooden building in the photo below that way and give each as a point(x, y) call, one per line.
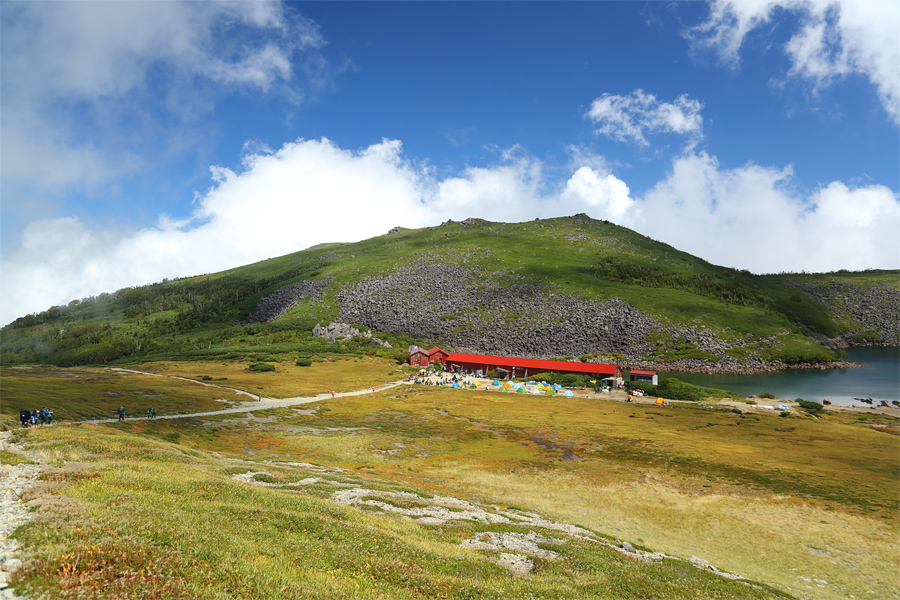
point(424, 358)
point(644, 377)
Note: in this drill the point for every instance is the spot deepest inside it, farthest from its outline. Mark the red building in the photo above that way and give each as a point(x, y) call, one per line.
point(525, 367)
point(645, 377)
point(421, 357)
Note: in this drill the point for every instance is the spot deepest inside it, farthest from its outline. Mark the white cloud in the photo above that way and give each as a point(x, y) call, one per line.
point(835, 38)
point(626, 118)
point(313, 191)
point(607, 195)
point(86, 85)
point(751, 218)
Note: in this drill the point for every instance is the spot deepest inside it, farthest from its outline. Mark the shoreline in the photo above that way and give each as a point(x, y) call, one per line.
point(698, 367)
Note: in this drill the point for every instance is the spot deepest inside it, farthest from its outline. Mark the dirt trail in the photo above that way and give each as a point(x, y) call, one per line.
point(262, 404)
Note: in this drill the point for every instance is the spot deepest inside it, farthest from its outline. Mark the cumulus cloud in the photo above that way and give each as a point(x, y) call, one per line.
point(313, 191)
point(632, 117)
point(835, 38)
point(87, 85)
point(752, 218)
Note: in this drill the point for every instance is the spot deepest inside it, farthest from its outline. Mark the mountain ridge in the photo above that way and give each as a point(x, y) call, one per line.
point(562, 287)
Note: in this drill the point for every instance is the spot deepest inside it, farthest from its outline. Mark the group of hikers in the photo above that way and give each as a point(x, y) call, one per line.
point(151, 413)
point(29, 418)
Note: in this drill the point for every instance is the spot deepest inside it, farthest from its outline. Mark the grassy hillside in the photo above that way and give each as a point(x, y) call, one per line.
point(743, 316)
point(403, 494)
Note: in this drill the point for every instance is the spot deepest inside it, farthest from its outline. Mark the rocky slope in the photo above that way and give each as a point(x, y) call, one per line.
point(871, 314)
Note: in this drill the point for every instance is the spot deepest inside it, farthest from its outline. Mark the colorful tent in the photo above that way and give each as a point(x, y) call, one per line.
point(660, 401)
point(521, 390)
point(455, 384)
point(495, 382)
point(534, 390)
point(568, 394)
point(549, 392)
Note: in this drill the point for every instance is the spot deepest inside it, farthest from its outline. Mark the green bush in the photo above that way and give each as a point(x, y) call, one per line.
point(675, 389)
point(768, 395)
point(303, 362)
point(261, 366)
point(810, 407)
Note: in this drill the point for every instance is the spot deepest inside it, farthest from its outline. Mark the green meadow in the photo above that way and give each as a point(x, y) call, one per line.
point(250, 505)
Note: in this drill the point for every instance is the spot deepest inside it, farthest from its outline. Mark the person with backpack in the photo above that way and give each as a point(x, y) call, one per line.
point(24, 417)
point(121, 413)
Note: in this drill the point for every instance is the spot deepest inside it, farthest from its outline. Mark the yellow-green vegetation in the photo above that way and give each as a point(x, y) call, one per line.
point(85, 393)
point(141, 518)
point(96, 393)
point(340, 373)
point(800, 503)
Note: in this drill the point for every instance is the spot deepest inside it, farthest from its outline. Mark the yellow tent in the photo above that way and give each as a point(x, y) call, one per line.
point(660, 401)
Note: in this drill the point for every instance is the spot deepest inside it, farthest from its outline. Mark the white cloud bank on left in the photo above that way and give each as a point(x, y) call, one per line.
point(86, 84)
point(313, 191)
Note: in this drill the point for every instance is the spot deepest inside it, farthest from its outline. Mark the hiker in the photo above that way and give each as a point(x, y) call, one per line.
point(149, 412)
point(121, 413)
point(34, 417)
point(152, 412)
point(332, 393)
point(43, 415)
point(24, 417)
point(49, 416)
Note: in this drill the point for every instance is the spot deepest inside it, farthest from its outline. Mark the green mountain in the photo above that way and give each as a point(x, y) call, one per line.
point(564, 287)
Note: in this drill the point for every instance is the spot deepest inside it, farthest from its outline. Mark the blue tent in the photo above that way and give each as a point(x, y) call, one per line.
point(568, 394)
point(495, 382)
point(455, 384)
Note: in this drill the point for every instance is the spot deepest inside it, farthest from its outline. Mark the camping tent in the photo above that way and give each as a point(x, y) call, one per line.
point(568, 394)
point(534, 390)
point(660, 401)
point(521, 390)
point(495, 382)
point(455, 384)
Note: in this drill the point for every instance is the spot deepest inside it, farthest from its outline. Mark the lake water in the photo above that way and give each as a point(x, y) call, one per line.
point(879, 379)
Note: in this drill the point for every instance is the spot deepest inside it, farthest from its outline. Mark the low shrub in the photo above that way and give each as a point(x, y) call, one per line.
point(810, 407)
point(769, 396)
point(303, 362)
point(261, 367)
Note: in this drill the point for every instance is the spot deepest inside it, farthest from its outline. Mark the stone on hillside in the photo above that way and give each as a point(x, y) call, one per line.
point(12, 565)
point(627, 547)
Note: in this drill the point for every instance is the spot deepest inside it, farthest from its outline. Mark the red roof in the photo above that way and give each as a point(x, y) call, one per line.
point(435, 350)
point(533, 363)
point(643, 372)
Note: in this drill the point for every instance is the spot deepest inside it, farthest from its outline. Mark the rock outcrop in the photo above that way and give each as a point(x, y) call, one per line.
point(342, 332)
point(285, 298)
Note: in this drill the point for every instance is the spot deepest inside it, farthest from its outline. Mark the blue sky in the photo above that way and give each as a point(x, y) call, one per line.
point(150, 140)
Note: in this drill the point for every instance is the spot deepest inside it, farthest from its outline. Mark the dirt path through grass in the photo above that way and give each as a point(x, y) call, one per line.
point(261, 404)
